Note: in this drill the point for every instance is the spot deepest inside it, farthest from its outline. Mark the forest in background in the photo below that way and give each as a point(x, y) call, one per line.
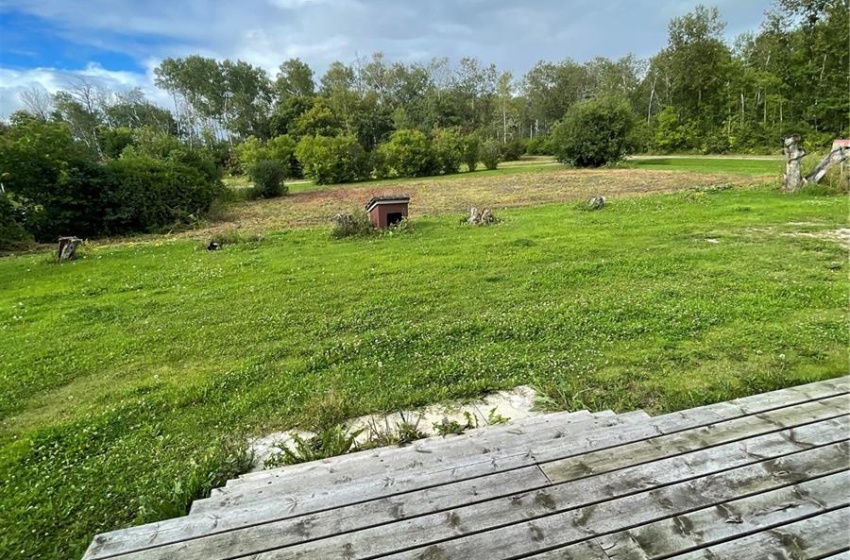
point(146, 167)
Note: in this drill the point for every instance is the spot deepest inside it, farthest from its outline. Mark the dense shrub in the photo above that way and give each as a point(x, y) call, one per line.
point(268, 176)
point(448, 146)
point(113, 141)
point(52, 178)
point(145, 195)
point(280, 149)
point(355, 224)
point(491, 154)
point(471, 151)
point(408, 154)
point(672, 135)
point(593, 133)
point(537, 146)
point(512, 150)
point(338, 159)
point(13, 236)
point(378, 164)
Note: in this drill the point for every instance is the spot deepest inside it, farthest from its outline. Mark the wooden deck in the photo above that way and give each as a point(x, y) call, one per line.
point(760, 477)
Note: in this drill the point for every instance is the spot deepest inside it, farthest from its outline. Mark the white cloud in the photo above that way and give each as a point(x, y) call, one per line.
point(14, 82)
point(513, 34)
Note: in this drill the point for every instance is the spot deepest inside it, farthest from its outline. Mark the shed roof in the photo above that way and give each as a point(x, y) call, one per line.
point(387, 199)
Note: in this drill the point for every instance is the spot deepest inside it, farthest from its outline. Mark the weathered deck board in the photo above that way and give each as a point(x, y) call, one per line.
point(699, 438)
point(815, 537)
point(723, 522)
point(530, 522)
point(442, 498)
point(765, 471)
point(387, 510)
point(729, 520)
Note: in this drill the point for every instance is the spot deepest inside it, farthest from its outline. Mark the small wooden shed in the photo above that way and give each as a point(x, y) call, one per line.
point(387, 210)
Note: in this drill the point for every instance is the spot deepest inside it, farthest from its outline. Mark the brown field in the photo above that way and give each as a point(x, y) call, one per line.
point(456, 194)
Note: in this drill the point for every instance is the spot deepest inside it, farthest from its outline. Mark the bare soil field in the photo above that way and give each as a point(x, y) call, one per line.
point(435, 196)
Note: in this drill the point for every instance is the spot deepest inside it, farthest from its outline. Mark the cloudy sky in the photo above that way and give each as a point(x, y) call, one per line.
point(119, 42)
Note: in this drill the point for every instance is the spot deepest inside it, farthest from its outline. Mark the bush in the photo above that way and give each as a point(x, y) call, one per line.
point(280, 149)
point(512, 150)
point(145, 195)
point(671, 134)
point(593, 133)
point(491, 154)
point(537, 146)
point(268, 176)
point(471, 151)
point(448, 145)
point(338, 159)
point(408, 154)
point(13, 236)
point(53, 180)
point(356, 224)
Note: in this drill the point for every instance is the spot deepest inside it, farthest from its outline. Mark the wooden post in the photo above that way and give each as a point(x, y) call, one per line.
point(793, 174)
point(68, 248)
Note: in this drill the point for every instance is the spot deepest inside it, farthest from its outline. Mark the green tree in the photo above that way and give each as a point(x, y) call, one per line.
point(449, 149)
point(409, 154)
point(326, 160)
point(294, 79)
point(319, 120)
point(594, 133)
point(53, 178)
point(471, 151)
point(491, 154)
point(699, 66)
point(268, 176)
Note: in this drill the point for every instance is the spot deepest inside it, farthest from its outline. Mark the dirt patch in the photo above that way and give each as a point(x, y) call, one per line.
point(840, 236)
point(497, 408)
point(456, 194)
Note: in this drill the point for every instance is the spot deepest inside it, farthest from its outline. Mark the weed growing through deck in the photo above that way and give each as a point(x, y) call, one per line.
point(401, 433)
point(329, 442)
point(493, 418)
point(448, 427)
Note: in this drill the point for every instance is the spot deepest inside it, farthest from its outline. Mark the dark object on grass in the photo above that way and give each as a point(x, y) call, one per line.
point(213, 246)
point(67, 250)
point(596, 203)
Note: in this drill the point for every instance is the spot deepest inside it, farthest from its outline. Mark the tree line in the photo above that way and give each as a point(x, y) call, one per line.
point(373, 117)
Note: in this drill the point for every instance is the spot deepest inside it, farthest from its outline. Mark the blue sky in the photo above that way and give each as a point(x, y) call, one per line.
point(44, 43)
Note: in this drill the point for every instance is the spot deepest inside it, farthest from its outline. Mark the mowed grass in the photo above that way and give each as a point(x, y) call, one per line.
point(128, 378)
point(760, 165)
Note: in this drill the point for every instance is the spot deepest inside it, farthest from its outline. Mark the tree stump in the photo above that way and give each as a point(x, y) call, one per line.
point(481, 217)
point(793, 174)
point(68, 248)
point(820, 171)
point(596, 203)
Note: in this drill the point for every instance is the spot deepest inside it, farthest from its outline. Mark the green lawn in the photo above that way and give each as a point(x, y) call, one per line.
point(128, 378)
point(543, 164)
point(710, 164)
